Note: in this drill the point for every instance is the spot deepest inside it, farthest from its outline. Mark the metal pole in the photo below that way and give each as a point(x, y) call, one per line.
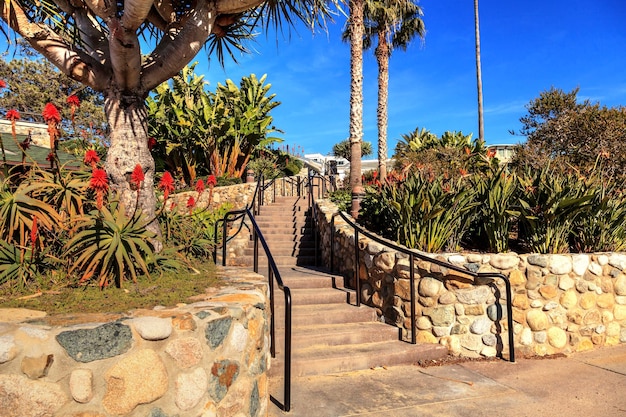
point(412, 289)
point(357, 283)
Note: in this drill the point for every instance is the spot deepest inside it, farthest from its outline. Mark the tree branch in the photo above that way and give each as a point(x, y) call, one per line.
point(74, 63)
point(94, 39)
point(236, 6)
point(178, 47)
point(125, 56)
point(165, 10)
point(135, 12)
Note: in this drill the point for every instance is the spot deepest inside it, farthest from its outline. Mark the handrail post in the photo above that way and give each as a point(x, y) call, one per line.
point(287, 377)
point(270, 278)
point(509, 313)
point(357, 264)
point(255, 253)
point(332, 244)
point(412, 289)
point(224, 243)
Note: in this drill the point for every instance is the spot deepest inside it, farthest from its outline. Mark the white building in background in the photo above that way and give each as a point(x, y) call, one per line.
point(504, 153)
point(328, 164)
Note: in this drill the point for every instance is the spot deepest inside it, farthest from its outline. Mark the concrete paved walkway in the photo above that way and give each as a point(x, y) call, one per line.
point(590, 384)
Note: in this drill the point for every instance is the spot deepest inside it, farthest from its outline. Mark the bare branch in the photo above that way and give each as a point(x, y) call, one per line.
point(236, 6)
point(93, 38)
point(125, 56)
point(135, 12)
point(165, 10)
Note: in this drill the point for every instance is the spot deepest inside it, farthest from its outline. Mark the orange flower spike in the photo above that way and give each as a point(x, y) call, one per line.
point(100, 184)
point(33, 232)
point(191, 203)
point(166, 184)
point(91, 158)
point(137, 177)
point(51, 114)
point(200, 186)
point(13, 115)
point(211, 181)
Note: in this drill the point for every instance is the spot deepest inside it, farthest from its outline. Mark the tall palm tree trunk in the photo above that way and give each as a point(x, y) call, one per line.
point(356, 103)
point(479, 77)
point(382, 56)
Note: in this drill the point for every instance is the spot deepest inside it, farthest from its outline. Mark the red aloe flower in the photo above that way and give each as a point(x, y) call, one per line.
point(91, 158)
point(152, 142)
point(50, 157)
point(73, 100)
point(3, 84)
point(200, 186)
point(100, 184)
point(51, 114)
point(491, 153)
point(191, 203)
point(166, 184)
point(211, 181)
point(13, 115)
point(137, 177)
point(33, 232)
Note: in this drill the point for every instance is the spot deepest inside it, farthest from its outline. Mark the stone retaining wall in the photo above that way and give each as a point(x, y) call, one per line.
point(561, 303)
point(208, 358)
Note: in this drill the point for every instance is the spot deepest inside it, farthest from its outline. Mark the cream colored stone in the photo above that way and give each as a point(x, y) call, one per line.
point(517, 278)
point(606, 301)
point(569, 299)
point(588, 300)
point(537, 320)
point(619, 311)
point(425, 337)
point(81, 385)
point(137, 378)
point(557, 337)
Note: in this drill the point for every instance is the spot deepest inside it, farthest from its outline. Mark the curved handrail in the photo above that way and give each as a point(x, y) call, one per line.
point(413, 254)
point(249, 211)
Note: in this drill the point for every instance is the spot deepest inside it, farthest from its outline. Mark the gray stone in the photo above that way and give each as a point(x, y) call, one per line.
point(217, 330)
point(20, 396)
point(456, 259)
point(238, 337)
point(538, 260)
point(580, 263)
point(441, 316)
point(87, 345)
point(473, 295)
point(472, 267)
point(490, 339)
point(153, 328)
point(447, 297)
point(541, 337)
point(560, 264)
point(190, 388)
point(458, 329)
point(8, 348)
point(81, 385)
point(481, 325)
point(526, 338)
point(255, 403)
point(496, 312)
point(223, 375)
point(441, 331)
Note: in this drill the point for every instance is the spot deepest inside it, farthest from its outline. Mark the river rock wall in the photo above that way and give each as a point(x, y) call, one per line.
point(207, 358)
point(561, 303)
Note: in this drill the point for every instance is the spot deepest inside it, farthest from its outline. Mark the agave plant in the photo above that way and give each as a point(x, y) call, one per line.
point(110, 245)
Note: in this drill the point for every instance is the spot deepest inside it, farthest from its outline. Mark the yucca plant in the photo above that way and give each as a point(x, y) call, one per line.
point(110, 245)
point(496, 191)
point(550, 206)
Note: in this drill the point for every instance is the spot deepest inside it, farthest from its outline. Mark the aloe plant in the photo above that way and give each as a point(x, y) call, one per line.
point(550, 205)
point(110, 245)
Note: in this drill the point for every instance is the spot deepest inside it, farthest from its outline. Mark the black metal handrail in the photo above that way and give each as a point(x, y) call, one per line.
point(412, 256)
point(273, 273)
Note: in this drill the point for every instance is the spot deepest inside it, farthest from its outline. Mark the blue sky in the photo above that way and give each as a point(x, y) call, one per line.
point(526, 47)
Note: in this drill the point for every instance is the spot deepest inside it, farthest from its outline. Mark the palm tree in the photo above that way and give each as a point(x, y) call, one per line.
point(105, 46)
point(356, 103)
point(479, 77)
point(394, 23)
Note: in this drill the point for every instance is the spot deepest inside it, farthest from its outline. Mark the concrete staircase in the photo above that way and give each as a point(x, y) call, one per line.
point(329, 333)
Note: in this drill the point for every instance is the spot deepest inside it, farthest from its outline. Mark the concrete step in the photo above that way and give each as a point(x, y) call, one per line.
point(316, 314)
point(309, 296)
point(339, 334)
point(325, 359)
point(279, 260)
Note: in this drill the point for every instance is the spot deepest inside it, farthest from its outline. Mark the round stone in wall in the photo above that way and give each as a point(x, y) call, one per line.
point(537, 320)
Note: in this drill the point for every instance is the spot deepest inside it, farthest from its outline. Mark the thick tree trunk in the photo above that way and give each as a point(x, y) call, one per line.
point(382, 56)
point(356, 104)
point(129, 147)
